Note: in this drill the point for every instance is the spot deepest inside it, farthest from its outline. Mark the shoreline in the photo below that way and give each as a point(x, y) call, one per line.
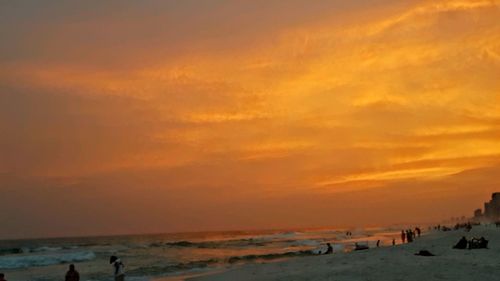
point(345, 245)
point(384, 263)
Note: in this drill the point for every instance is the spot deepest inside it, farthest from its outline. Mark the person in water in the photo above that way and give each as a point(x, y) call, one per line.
point(118, 267)
point(329, 250)
point(2, 277)
point(72, 274)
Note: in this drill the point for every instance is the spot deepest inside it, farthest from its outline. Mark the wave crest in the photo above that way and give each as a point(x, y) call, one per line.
point(24, 261)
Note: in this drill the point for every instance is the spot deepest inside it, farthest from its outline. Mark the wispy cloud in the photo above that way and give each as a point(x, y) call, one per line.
point(329, 97)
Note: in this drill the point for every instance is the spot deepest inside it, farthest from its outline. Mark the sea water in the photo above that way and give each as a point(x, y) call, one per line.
point(150, 256)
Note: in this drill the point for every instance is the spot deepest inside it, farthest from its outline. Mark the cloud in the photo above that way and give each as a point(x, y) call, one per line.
point(261, 107)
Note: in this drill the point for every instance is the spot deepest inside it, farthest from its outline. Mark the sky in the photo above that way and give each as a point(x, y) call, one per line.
point(201, 115)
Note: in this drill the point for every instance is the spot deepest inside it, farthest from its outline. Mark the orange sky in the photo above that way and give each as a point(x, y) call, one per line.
point(157, 116)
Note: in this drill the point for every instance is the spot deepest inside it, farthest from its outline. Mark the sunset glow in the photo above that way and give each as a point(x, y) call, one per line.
point(214, 115)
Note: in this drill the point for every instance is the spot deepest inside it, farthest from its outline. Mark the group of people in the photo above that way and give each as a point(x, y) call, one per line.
point(409, 235)
point(73, 275)
point(467, 226)
point(118, 270)
point(474, 243)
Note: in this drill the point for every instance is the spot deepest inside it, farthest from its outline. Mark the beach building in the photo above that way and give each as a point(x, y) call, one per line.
point(492, 208)
point(478, 214)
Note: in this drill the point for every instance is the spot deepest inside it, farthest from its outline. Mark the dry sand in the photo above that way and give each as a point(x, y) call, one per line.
point(388, 263)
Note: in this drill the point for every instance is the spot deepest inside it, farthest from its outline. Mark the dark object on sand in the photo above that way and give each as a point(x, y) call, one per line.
point(425, 253)
point(358, 247)
point(461, 244)
point(112, 259)
point(480, 243)
point(329, 250)
point(2, 277)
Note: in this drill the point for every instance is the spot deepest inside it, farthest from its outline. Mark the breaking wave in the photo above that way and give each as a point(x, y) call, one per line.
point(259, 241)
point(24, 261)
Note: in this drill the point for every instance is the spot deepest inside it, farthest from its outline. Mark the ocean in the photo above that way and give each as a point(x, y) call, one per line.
point(147, 257)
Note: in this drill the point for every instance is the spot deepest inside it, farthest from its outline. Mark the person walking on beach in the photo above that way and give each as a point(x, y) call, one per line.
point(378, 243)
point(2, 277)
point(418, 231)
point(393, 242)
point(118, 267)
point(403, 236)
point(72, 274)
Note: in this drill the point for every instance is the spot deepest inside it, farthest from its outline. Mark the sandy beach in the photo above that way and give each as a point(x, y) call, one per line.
point(387, 263)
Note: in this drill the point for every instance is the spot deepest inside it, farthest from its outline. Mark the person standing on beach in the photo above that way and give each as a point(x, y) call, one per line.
point(403, 236)
point(118, 267)
point(409, 236)
point(72, 274)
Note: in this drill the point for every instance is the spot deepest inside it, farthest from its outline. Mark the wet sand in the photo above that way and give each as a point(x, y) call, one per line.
point(386, 263)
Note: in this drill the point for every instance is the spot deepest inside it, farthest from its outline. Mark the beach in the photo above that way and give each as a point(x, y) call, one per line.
point(173, 255)
point(385, 263)
point(260, 255)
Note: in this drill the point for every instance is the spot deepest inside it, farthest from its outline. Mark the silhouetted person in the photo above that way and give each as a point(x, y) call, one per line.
point(2, 277)
point(483, 243)
point(403, 236)
point(468, 227)
point(462, 244)
point(378, 243)
point(118, 267)
point(409, 236)
point(329, 250)
point(72, 274)
point(418, 231)
point(393, 242)
point(480, 243)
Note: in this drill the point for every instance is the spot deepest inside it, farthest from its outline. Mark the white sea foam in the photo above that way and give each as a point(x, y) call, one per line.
point(46, 249)
point(24, 261)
